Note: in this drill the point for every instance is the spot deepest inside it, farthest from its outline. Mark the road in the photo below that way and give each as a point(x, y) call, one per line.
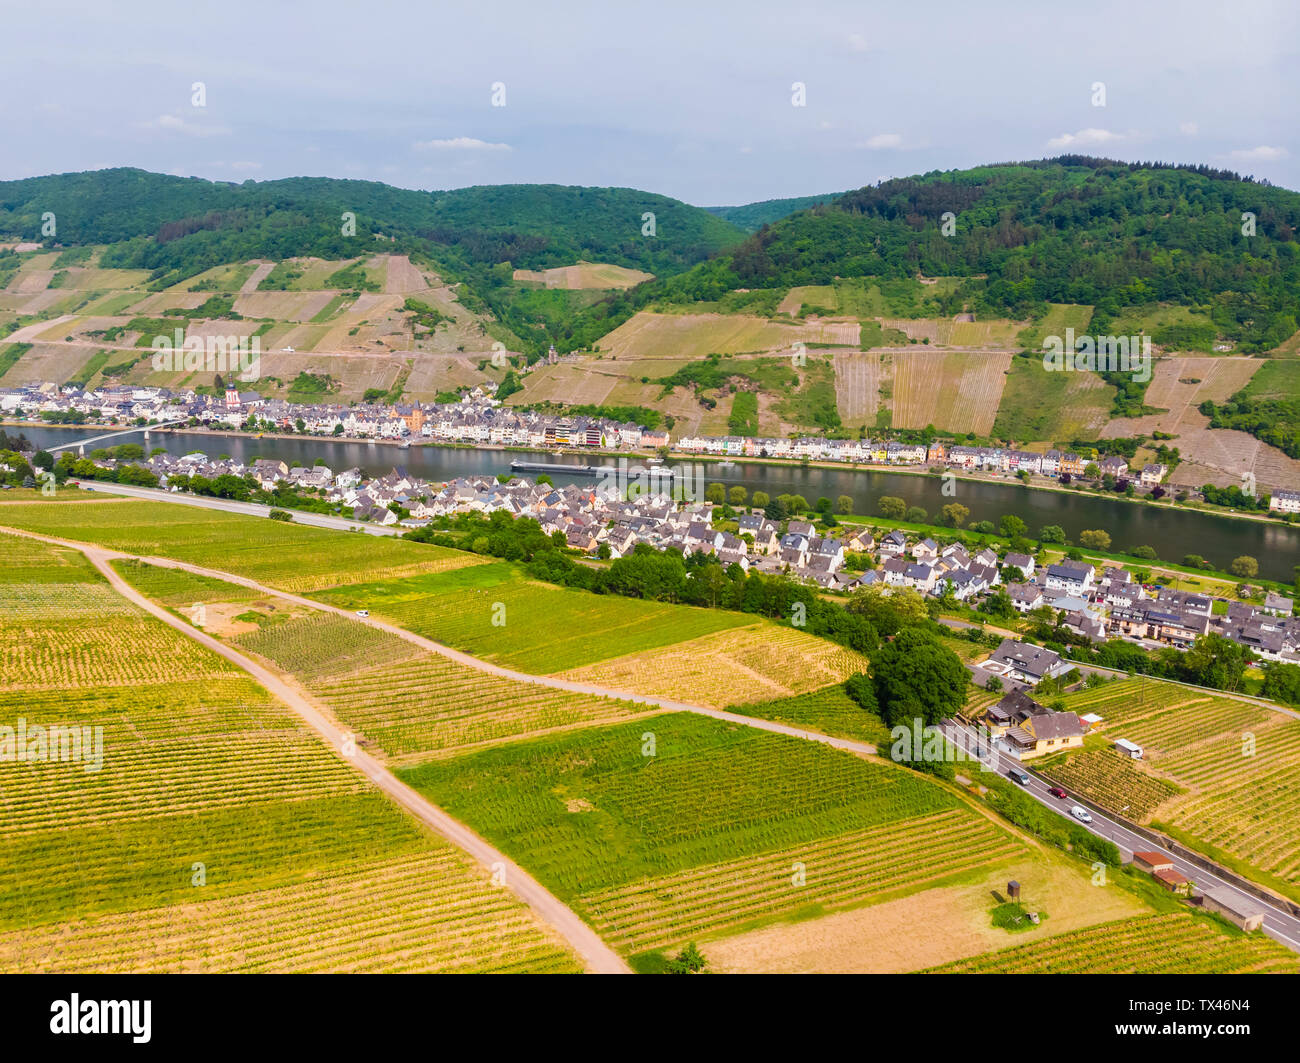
point(1279, 924)
point(598, 957)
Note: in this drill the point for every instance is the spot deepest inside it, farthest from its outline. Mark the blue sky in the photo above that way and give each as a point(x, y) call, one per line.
point(692, 100)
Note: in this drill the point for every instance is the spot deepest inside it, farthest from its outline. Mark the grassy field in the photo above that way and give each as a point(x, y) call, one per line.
point(210, 810)
point(760, 662)
point(657, 848)
point(1058, 318)
point(1038, 405)
point(288, 556)
point(541, 628)
point(1157, 944)
point(584, 275)
point(1229, 772)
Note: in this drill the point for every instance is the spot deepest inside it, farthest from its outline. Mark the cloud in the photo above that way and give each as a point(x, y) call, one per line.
point(460, 144)
point(171, 123)
point(1188, 129)
point(1263, 153)
point(885, 140)
point(1084, 138)
point(857, 42)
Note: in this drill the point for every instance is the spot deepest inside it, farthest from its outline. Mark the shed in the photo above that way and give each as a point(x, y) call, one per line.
point(1171, 880)
point(1131, 748)
point(1152, 861)
point(1237, 910)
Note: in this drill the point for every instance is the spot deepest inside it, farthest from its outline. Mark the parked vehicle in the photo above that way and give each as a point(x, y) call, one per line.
point(1081, 814)
point(1019, 776)
point(363, 613)
point(1057, 791)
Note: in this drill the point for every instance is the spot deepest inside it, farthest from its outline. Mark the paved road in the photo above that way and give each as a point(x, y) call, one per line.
point(598, 956)
point(248, 509)
point(1278, 922)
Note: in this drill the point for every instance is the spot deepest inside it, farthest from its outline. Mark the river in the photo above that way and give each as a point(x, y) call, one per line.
point(1172, 532)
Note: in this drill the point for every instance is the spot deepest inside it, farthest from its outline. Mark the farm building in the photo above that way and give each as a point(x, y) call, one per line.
point(1172, 880)
point(1151, 861)
point(1240, 911)
point(1132, 749)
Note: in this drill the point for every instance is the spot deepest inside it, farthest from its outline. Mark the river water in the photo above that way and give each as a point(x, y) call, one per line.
point(1173, 533)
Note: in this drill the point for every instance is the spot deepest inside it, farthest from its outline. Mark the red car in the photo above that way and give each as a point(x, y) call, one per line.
point(1056, 791)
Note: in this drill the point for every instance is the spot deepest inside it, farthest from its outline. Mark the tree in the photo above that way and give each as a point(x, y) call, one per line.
point(1092, 470)
point(1245, 566)
point(824, 505)
point(1282, 683)
point(993, 684)
point(918, 677)
point(760, 500)
point(891, 506)
point(1095, 540)
point(917, 515)
point(1215, 661)
point(862, 690)
point(1052, 533)
point(715, 493)
point(954, 514)
point(1012, 526)
point(887, 612)
point(1147, 553)
point(737, 495)
point(689, 961)
point(844, 504)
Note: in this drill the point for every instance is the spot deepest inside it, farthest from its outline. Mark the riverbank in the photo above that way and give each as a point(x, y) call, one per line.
point(1036, 483)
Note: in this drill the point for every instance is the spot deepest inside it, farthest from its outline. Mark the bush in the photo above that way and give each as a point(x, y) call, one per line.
point(280, 514)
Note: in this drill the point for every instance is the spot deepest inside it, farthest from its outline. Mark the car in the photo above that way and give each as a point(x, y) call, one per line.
point(1021, 777)
point(363, 613)
point(1081, 814)
point(1057, 791)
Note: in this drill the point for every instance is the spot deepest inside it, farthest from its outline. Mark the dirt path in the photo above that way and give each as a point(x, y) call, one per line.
point(256, 277)
point(599, 957)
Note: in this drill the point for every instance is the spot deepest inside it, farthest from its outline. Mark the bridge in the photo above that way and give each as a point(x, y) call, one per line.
point(83, 443)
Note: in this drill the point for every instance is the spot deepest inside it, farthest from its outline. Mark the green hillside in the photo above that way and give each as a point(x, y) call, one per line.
point(1066, 230)
point(753, 216)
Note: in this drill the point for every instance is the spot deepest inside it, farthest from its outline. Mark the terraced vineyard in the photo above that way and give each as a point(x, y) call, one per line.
point(855, 868)
point(1111, 778)
point(751, 664)
point(1238, 763)
point(201, 800)
point(430, 705)
point(430, 912)
point(538, 627)
point(829, 710)
point(409, 703)
point(288, 556)
point(1159, 944)
point(700, 835)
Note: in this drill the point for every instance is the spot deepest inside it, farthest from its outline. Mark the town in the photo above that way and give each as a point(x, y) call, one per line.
point(479, 418)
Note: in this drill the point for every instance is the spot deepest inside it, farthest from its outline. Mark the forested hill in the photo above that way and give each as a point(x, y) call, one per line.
point(1068, 230)
point(753, 216)
point(181, 226)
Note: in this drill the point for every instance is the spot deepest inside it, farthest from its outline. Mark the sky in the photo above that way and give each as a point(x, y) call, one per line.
point(715, 102)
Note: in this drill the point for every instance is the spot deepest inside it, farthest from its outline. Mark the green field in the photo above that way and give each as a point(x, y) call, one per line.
point(1276, 379)
point(543, 628)
point(1058, 318)
point(712, 792)
point(285, 555)
point(702, 836)
point(1038, 405)
point(829, 711)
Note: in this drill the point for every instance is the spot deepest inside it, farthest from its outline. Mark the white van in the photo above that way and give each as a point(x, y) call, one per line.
point(363, 613)
point(1081, 814)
